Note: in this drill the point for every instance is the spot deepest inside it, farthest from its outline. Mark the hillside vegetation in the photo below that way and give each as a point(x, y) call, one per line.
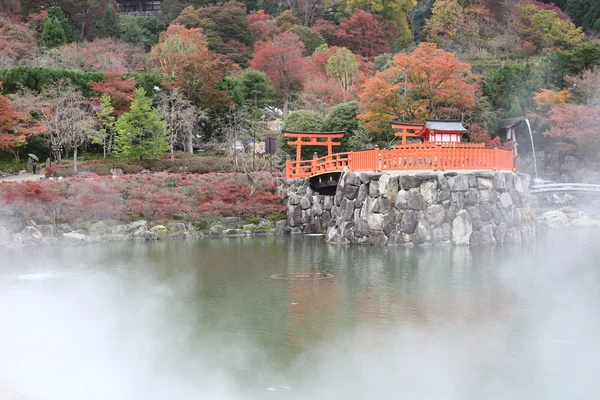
point(209, 75)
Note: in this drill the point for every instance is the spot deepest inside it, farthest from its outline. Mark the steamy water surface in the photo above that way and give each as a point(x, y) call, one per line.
point(205, 320)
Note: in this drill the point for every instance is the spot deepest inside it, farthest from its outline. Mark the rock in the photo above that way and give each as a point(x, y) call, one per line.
point(458, 183)
point(327, 202)
point(281, 226)
point(159, 229)
point(513, 235)
point(429, 191)
point(375, 222)
point(472, 196)
point(556, 219)
point(362, 228)
point(382, 205)
point(423, 233)
point(518, 184)
point(486, 235)
point(390, 221)
point(409, 221)
point(353, 178)
point(216, 230)
point(295, 231)
point(437, 235)
point(13, 224)
point(363, 192)
point(374, 189)
point(231, 222)
point(30, 232)
point(585, 223)
point(500, 232)
point(351, 192)
point(46, 230)
point(499, 182)
point(305, 203)
point(177, 227)
point(461, 229)
point(239, 232)
point(384, 181)
point(411, 200)
point(4, 235)
point(293, 198)
point(378, 238)
point(446, 231)
point(569, 166)
point(435, 215)
point(407, 181)
point(393, 186)
point(443, 195)
point(367, 207)
point(75, 237)
point(395, 238)
point(506, 200)
point(116, 171)
point(485, 183)
point(333, 236)
point(475, 217)
point(294, 215)
point(137, 224)
point(99, 228)
point(347, 209)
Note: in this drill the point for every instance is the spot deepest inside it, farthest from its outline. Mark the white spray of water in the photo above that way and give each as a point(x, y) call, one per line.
point(532, 149)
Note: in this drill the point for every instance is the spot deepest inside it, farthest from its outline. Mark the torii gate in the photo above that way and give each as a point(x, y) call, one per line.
point(313, 140)
point(404, 130)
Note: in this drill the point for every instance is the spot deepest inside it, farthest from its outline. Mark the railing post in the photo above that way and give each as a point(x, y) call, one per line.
point(288, 169)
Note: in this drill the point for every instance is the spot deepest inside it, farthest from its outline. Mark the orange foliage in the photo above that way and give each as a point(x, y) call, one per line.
point(261, 24)
point(183, 57)
point(120, 90)
point(11, 134)
point(577, 123)
point(428, 83)
point(545, 99)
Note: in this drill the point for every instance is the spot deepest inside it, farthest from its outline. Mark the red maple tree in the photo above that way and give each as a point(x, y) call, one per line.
point(120, 90)
point(11, 134)
point(366, 34)
point(281, 59)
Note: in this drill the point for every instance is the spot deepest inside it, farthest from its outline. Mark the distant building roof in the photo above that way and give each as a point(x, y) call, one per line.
point(445, 125)
point(510, 122)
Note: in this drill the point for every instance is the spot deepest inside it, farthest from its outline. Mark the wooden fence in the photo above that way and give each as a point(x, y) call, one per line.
point(412, 157)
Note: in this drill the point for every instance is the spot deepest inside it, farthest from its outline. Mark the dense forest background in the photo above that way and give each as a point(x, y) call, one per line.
point(78, 76)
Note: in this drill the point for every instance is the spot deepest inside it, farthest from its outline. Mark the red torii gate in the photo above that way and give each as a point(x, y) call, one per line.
point(404, 130)
point(313, 140)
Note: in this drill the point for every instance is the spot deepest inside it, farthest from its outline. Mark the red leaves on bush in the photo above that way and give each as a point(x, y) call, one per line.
point(153, 197)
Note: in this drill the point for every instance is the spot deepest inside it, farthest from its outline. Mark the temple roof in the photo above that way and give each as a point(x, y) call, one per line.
point(510, 122)
point(445, 125)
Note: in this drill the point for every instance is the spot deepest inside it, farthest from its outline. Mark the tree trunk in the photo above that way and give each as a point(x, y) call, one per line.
point(285, 107)
point(190, 143)
point(111, 136)
point(75, 159)
point(172, 151)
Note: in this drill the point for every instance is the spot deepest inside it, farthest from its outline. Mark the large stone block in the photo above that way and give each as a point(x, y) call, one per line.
point(407, 182)
point(363, 192)
point(423, 233)
point(382, 205)
point(435, 215)
point(409, 221)
point(461, 229)
point(378, 238)
point(375, 222)
point(458, 182)
point(410, 200)
point(499, 182)
point(390, 221)
point(428, 190)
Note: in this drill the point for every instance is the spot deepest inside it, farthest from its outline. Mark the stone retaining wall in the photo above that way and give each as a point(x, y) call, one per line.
point(416, 209)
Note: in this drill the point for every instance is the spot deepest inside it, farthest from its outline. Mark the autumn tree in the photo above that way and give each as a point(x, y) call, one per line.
point(306, 10)
point(394, 11)
point(182, 119)
point(68, 117)
point(119, 89)
point(106, 54)
point(366, 34)
point(281, 59)
point(10, 133)
point(140, 133)
point(577, 123)
point(261, 24)
point(183, 58)
point(545, 29)
point(428, 83)
point(16, 40)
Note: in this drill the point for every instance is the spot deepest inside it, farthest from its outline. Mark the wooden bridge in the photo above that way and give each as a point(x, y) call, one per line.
point(565, 187)
point(429, 156)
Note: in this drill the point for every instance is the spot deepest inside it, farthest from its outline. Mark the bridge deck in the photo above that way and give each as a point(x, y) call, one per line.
point(411, 157)
point(565, 187)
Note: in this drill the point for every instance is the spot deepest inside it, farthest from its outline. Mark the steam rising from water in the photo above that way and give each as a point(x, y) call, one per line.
point(505, 323)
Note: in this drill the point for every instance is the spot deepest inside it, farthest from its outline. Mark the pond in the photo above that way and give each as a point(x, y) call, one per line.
point(296, 318)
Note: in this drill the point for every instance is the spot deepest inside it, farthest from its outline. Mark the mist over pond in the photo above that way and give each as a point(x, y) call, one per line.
point(204, 319)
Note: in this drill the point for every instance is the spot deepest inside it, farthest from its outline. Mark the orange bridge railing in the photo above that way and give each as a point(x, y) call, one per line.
point(410, 157)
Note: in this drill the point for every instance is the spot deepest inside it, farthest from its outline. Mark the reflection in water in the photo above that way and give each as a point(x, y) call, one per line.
point(192, 319)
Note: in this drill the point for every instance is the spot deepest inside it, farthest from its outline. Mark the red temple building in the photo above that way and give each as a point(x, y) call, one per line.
point(437, 131)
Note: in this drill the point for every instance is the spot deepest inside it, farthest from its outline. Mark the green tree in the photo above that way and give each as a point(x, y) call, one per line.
point(53, 34)
point(311, 39)
point(140, 30)
point(383, 62)
point(59, 14)
point(108, 24)
point(584, 56)
point(106, 122)
point(343, 66)
point(502, 85)
point(544, 29)
point(344, 118)
point(140, 133)
point(303, 121)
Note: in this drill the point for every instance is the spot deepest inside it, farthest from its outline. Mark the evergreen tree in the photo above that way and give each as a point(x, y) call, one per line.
point(108, 24)
point(140, 132)
point(106, 120)
point(53, 34)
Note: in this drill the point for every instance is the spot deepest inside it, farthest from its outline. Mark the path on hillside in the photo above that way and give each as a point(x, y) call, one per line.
point(22, 178)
